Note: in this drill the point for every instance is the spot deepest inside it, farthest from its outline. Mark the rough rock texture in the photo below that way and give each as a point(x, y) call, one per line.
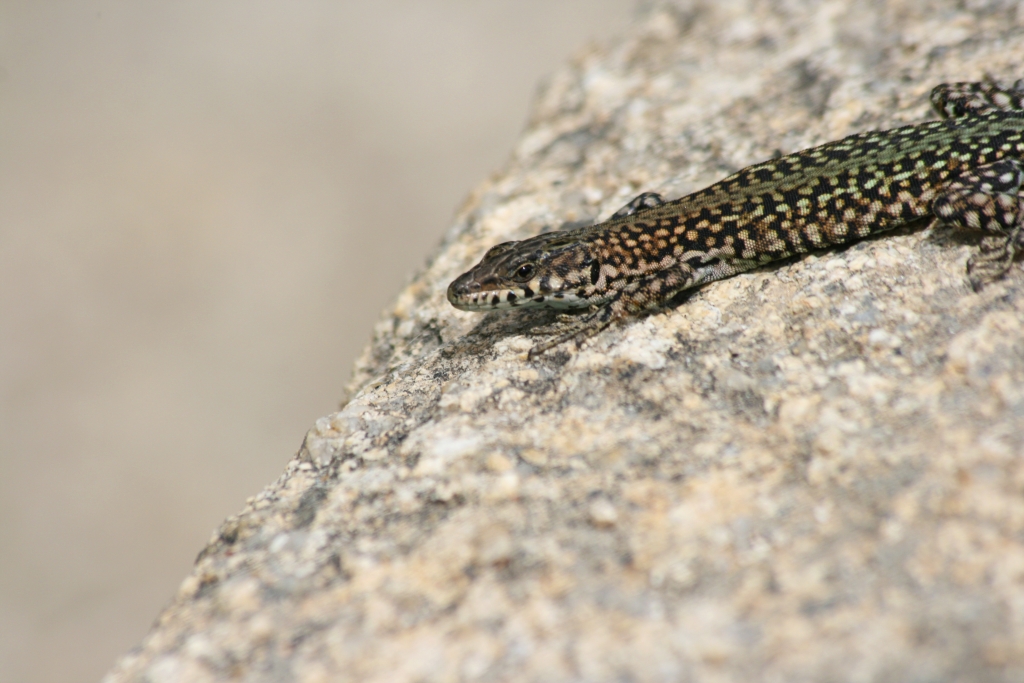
point(814, 471)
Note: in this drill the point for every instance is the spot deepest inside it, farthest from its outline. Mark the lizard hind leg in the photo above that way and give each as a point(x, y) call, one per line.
point(953, 100)
point(986, 199)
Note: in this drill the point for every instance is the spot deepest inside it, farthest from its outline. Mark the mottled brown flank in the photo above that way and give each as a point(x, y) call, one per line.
point(965, 169)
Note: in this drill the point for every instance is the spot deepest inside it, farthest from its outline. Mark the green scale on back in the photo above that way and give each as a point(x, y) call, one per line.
point(965, 170)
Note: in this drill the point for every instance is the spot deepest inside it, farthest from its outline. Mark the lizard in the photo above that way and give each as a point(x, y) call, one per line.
point(964, 169)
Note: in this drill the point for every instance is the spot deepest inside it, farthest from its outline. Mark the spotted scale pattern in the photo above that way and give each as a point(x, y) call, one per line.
point(965, 169)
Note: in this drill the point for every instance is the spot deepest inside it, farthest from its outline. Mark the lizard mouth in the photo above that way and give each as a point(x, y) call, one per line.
point(472, 296)
point(469, 295)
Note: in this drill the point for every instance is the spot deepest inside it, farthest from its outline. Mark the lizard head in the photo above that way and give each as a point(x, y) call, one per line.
point(555, 270)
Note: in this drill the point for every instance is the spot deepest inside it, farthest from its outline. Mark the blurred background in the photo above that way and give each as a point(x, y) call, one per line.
point(203, 207)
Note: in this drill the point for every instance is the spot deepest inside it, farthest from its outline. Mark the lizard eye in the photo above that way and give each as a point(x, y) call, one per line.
point(525, 272)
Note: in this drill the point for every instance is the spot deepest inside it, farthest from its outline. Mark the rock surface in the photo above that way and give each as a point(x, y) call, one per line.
point(814, 471)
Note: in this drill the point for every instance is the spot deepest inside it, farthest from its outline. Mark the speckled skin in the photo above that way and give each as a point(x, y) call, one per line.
point(965, 169)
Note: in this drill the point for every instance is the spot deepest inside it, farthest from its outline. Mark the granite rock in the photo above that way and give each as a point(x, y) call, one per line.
point(813, 471)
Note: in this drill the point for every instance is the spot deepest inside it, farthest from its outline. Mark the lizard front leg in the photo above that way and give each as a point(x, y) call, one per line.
point(647, 200)
point(637, 296)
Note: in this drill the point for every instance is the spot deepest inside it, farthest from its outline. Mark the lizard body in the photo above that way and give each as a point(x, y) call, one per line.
point(965, 169)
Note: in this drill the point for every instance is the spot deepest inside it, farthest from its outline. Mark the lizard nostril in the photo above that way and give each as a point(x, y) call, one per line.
point(463, 286)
